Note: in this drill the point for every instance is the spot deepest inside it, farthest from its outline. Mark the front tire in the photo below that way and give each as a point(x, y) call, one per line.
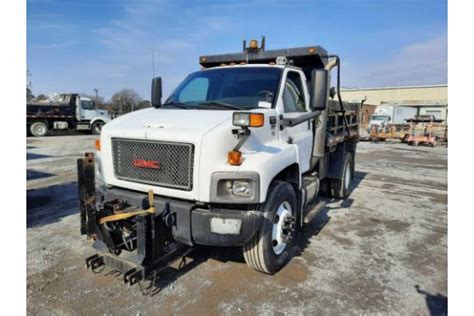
point(39, 129)
point(270, 248)
point(97, 127)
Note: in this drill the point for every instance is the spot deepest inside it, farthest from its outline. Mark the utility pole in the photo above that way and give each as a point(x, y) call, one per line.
point(96, 96)
point(153, 60)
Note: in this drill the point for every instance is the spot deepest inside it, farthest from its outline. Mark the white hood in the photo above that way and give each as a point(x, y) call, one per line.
point(154, 121)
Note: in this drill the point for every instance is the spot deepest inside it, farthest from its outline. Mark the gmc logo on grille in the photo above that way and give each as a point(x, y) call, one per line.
point(149, 164)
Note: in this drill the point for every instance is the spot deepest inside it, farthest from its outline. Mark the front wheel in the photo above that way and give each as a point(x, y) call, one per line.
point(97, 127)
point(270, 248)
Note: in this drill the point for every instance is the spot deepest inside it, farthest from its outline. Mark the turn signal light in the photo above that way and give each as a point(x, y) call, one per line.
point(246, 119)
point(253, 44)
point(256, 120)
point(234, 158)
point(97, 144)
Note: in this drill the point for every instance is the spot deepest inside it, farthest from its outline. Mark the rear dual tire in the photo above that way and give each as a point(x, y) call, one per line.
point(270, 248)
point(339, 188)
point(39, 129)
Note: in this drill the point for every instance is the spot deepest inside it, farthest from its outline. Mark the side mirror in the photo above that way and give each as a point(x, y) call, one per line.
point(319, 89)
point(156, 92)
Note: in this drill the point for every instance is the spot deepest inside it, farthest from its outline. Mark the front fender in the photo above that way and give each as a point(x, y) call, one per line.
point(269, 161)
point(99, 119)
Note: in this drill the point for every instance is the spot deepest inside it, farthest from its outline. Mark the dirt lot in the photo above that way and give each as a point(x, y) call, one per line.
point(384, 250)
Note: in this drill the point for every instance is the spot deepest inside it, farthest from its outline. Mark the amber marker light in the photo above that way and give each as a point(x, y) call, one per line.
point(256, 120)
point(97, 144)
point(253, 44)
point(234, 158)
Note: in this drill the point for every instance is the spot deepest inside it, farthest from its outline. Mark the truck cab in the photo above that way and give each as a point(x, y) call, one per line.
point(232, 157)
point(89, 117)
point(379, 119)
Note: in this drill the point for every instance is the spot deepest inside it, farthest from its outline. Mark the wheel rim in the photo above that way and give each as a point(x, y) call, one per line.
point(347, 177)
point(40, 129)
point(280, 231)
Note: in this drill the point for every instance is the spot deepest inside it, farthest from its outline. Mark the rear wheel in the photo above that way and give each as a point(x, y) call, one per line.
point(39, 129)
point(340, 186)
point(270, 249)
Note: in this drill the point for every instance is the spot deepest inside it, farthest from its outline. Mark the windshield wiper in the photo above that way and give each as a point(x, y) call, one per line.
point(176, 105)
point(218, 104)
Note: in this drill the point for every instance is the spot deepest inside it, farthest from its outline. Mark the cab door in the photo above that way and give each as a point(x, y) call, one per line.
point(88, 110)
point(293, 102)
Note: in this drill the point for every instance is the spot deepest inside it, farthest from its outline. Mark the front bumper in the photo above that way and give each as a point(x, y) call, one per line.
point(192, 223)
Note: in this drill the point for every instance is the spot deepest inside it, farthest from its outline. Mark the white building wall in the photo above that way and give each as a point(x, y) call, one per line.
point(376, 96)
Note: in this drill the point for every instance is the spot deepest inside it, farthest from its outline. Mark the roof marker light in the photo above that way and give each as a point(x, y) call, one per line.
point(281, 60)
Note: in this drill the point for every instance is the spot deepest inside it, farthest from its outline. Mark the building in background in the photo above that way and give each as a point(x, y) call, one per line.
point(428, 100)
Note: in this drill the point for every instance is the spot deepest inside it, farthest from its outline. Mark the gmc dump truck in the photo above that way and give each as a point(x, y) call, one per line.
point(235, 156)
point(70, 112)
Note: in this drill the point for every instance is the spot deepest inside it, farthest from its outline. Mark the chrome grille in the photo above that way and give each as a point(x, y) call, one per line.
point(175, 162)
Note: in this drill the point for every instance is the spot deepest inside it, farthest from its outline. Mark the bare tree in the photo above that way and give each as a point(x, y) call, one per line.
point(126, 100)
point(143, 105)
point(29, 95)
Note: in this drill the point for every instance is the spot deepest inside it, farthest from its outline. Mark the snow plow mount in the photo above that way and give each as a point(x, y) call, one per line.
point(135, 242)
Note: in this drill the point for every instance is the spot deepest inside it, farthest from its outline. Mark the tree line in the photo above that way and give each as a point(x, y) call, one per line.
point(121, 102)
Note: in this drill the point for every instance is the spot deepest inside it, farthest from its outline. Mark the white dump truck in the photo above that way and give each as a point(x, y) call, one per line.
point(235, 156)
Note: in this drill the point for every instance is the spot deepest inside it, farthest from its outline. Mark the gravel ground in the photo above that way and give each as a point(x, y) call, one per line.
point(383, 250)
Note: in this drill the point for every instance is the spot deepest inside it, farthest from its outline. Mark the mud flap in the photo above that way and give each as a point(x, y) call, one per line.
point(336, 161)
point(87, 197)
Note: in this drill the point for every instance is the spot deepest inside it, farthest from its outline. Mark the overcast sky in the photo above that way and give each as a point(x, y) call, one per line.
point(78, 45)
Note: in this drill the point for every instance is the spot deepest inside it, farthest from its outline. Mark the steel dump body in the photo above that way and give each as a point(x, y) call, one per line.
point(337, 130)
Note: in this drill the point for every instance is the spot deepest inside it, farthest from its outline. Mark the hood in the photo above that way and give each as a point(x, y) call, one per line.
point(102, 113)
point(153, 121)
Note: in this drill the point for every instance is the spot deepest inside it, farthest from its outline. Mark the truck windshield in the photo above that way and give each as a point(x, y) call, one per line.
point(87, 105)
point(380, 117)
point(227, 88)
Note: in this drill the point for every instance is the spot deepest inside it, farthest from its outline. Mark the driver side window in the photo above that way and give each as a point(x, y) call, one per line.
point(87, 105)
point(293, 96)
point(196, 90)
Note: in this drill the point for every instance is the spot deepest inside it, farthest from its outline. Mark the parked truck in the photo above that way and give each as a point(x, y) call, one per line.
point(391, 114)
point(235, 156)
point(69, 112)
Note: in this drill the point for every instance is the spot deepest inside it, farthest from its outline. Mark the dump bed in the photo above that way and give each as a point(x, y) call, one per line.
point(342, 125)
point(50, 110)
point(65, 107)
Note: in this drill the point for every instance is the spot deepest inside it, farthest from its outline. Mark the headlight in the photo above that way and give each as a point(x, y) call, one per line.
point(235, 187)
point(241, 188)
